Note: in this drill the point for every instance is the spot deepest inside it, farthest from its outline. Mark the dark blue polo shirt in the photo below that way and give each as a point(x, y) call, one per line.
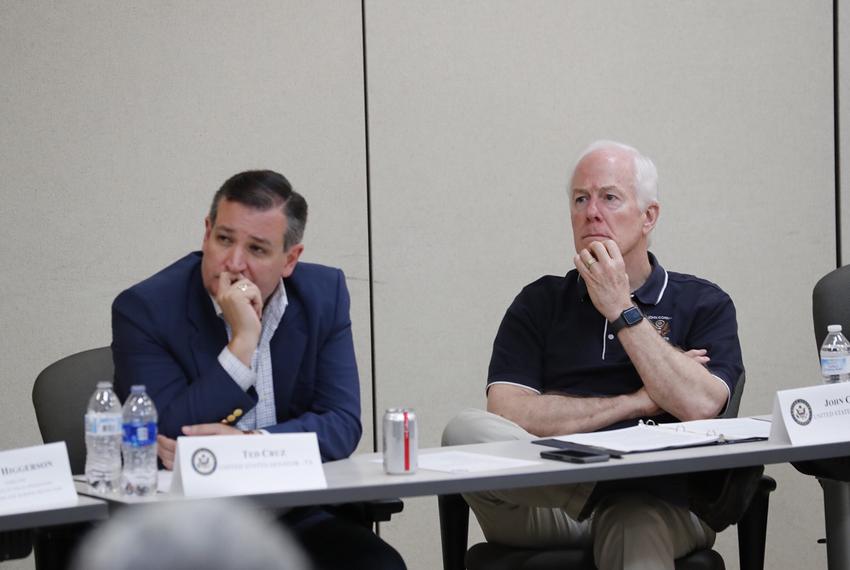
point(553, 340)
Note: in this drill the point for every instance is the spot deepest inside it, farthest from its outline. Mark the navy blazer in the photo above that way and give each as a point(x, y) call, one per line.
point(167, 336)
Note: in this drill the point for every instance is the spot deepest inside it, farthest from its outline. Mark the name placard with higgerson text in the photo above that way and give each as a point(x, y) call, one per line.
point(228, 465)
point(35, 478)
point(816, 414)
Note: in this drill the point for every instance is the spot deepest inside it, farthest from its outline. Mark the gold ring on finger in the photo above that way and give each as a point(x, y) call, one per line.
point(589, 263)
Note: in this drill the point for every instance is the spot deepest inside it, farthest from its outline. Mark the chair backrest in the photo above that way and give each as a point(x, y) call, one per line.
point(735, 398)
point(831, 303)
point(60, 396)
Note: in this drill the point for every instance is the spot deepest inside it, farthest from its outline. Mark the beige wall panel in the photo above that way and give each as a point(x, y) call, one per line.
point(118, 122)
point(477, 111)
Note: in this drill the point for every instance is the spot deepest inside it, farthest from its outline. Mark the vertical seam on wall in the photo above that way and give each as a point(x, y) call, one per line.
point(369, 229)
point(836, 132)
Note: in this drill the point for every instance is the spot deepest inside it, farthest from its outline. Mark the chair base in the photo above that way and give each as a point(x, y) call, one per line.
point(489, 556)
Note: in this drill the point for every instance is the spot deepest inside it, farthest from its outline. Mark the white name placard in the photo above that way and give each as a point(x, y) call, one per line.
point(816, 414)
point(227, 465)
point(35, 478)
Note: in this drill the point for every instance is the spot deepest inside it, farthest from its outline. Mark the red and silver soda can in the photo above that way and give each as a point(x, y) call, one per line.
point(401, 441)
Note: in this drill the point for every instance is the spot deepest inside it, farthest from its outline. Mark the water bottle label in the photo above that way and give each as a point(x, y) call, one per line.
point(833, 365)
point(140, 435)
point(103, 424)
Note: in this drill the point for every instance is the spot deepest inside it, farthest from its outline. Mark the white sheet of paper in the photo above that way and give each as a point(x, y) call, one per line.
point(35, 478)
point(463, 462)
point(638, 438)
point(229, 465)
point(731, 428)
point(816, 414)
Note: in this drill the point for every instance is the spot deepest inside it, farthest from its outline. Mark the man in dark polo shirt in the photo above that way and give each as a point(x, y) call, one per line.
point(616, 340)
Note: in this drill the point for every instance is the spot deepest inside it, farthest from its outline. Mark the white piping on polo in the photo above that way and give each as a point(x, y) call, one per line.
point(663, 288)
point(604, 337)
point(510, 384)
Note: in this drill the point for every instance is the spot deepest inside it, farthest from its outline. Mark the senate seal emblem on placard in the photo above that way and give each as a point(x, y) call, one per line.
point(801, 412)
point(204, 461)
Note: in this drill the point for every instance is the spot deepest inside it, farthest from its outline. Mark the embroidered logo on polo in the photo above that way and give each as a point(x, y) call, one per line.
point(662, 325)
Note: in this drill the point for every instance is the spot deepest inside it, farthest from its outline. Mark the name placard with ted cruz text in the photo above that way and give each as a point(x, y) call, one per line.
point(229, 465)
point(35, 478)
point(816, 414)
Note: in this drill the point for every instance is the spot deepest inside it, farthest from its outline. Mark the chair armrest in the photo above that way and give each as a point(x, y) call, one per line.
point(752, 528)
point(367, 513)
point(454, 530)
point(383, 510)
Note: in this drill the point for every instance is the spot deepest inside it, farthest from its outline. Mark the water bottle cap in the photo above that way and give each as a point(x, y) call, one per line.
point(104, 385)
point(137, 388)
point(834, 328)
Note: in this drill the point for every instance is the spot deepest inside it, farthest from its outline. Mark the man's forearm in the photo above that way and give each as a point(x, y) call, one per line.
point(675, 381)
point(555, 414)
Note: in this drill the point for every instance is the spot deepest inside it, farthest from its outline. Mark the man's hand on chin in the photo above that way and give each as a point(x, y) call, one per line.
point(602, 268)
point(242, 306)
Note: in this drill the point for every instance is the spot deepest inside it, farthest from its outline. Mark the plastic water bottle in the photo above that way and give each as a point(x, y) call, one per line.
point(139, 444)
point(103, 439)
point(835, 356)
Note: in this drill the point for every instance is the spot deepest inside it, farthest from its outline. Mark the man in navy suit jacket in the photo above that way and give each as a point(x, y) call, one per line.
point(242, 338)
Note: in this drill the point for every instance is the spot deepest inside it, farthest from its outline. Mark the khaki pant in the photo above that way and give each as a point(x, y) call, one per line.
point(633, 531)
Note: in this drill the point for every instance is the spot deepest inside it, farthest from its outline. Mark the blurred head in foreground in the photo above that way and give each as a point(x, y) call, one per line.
point(187, 535)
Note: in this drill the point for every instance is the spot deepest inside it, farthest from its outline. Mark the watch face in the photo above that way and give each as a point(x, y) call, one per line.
point(632, 316)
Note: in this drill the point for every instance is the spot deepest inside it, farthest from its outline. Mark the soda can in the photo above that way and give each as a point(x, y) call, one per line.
point(401, 441)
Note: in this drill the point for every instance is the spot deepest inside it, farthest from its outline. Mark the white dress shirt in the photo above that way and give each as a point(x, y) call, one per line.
point(259, 374)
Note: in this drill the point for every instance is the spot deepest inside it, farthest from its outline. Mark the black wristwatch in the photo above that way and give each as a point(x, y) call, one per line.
point(628, 318)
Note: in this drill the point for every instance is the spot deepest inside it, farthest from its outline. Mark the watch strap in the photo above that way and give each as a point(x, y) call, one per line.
point(628, 318)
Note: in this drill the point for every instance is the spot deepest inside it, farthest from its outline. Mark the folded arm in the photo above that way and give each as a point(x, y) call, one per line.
point(556, 414)
point(142, 355)
point(675, 381)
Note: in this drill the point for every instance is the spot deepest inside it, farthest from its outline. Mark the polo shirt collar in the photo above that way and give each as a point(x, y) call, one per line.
point(650, 293)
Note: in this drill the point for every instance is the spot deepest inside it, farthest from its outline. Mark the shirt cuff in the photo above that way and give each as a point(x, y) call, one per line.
point(236, 369)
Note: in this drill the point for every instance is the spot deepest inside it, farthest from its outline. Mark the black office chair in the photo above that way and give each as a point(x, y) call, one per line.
point(60, 397)
point(61, 394)
point(454, 533)
point(831, 305)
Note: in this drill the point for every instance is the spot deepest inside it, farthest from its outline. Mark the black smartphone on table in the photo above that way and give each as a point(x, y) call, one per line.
point(575, 456)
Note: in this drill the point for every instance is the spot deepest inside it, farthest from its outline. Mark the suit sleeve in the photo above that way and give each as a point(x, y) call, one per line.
point(334, 412)
point(142, 356)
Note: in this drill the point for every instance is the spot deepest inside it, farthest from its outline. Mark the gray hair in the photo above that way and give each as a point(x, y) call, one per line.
point(187, 535)
point(646, 175)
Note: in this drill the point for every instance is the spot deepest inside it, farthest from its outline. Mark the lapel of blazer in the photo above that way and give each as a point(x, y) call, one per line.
point(209, 336)
point(287, 351)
